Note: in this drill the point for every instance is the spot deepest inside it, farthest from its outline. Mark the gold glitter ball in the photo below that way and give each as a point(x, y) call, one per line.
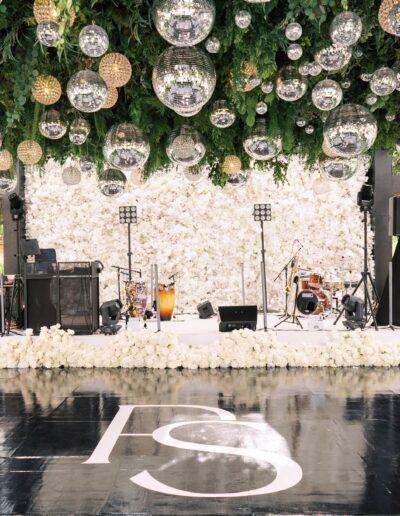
point(231, 165)
point(46, 10)
point(46, 89)
point(115, 69)
point(29, 152)
point(112, 97)
point(6, 160)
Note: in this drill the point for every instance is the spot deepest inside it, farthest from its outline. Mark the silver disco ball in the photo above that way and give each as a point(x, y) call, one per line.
point(267, 87)
point(383, 81)
point(301, 122)
point(93, 41)
point(345, 84)
point(185, 146)
point(238, 179)
point(258, 145)
point(87, 91)
point(293, 31)
point(184, 23)
point(290, 85)
point(71, 176)
point(52, 125)
point(257, 1)
point(126, 147)
point(314, 69)
point(350, 130)
point(222, 114)
point(390, 117)
point(7, 184)
point(294, 52)
point(184, 79)
point(309, 129)
point(48, 33)
point(338, 169)
point(261, 108)
point(304, 69)
point(194, 174)
point(243, 19)
point(393, 19)
point(371, 99)
point(333, 58)
point(327, 95)
point(213, 45)
point(112, 182)
point(88, 165)
point(346, 29)
point(79, 131)
point(366, 77)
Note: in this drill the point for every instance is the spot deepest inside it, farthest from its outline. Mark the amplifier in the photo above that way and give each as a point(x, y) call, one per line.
point(237, 318)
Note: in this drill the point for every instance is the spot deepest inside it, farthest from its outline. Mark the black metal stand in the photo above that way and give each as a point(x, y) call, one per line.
point(264, 278)
point(15, 303)
point(292, 318)
point(129, 252)
point(285, 270)
point(365, 278)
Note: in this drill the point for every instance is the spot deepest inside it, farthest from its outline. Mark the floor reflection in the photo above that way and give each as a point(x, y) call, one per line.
point(340, 426)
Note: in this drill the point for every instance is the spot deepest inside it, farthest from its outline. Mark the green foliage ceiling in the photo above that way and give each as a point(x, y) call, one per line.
point(132, 32)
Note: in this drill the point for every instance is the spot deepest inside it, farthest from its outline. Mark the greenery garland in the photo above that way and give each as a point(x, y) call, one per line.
point(131, 31)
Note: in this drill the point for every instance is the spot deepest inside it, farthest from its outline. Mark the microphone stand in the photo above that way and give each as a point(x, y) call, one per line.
point(285, 270)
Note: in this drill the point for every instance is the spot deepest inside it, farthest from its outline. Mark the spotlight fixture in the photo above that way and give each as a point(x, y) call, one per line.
point(365, 197)
point(110, 312)
point(354, 312)
point(16, 206)
point(128, 215)
point(262, 213)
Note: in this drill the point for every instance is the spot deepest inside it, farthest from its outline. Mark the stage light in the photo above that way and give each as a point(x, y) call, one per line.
point(262, 212)
point(110, 312)
point(354, 312)
point(128, 215)
point(16, 206)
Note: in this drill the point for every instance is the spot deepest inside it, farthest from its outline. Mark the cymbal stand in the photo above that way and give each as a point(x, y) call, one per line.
point(293, 316)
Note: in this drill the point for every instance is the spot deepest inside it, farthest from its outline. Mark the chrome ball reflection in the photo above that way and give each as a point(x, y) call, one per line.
point(93, 41)
point(185, 146)
point(346, 29)
point(314, 69)
point(184, 23)
point(112, 182)
point(243, 19)
point(52, 125)
point(184, 79)
point(309, 129)
point(213, 45)
point(338, 169)
point(87, 91)
point(293, 31)
point(126, 147)
point(350, 130)
point(79, 131)
point(261, 108)
point(222, 114)
point(333, 58)
point(294, 52)
point(290, 85)
point(327, 95)
point(259, 145)
point(383, 82)
point(267, 87)
point(301, 122)
point(48, 33)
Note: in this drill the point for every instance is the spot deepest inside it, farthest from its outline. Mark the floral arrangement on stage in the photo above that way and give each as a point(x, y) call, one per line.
point(55, 348)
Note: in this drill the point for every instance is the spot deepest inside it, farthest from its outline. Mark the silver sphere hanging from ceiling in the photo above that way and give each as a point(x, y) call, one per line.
point(87, 91)
point(184, 23)
point(112, 182)
point(290, 85)
point(350, 130)
point(71, 176)
point(48, 33)
point(243, 19)
point(52, 125)
point(294, 52)
point(194, 174)
point(333, 58)
point(79, 131)
point(213, 45)
point(93, 41)
point(267, 87)
point(383, 81)
point(327, 95)
point(184, 79)
point(185, 146)
point(293, 31)
point(126, 147)
point(259, 145)
point(222, 114)
point(338, 169)
point(261, 108)
point(346, 29)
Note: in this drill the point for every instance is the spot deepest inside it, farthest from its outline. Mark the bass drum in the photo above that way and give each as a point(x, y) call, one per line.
point(311, 302)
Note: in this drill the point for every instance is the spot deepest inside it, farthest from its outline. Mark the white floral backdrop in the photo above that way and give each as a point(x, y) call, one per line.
point(202, 232)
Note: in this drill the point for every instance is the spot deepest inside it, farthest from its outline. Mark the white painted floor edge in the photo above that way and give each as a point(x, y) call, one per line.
point(194, 331)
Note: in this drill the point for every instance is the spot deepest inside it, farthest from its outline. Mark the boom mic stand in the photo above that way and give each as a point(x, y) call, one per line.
point(365, 275)
point(285, 270)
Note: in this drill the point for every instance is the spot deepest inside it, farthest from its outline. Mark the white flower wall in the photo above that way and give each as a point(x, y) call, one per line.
point(202, 232)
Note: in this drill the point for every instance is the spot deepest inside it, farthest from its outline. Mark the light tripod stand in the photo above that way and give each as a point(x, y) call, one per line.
point(263, 213)
point(366, 278)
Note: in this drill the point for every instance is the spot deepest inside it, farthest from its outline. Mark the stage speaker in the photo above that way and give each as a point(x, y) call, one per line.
point(41, 301)
point(237, 318)
point(205, 310)
point(396, 216)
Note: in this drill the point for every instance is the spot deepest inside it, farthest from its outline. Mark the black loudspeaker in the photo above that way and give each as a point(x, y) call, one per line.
point(396, 216)
point(205, 310)
point(30, 247)
point(41, 295)
point(237, 318)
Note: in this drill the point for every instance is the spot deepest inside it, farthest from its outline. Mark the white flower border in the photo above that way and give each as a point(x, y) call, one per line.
point(55, 348)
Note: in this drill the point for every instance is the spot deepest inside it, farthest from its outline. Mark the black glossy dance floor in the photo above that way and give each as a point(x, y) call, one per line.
point(204, 442)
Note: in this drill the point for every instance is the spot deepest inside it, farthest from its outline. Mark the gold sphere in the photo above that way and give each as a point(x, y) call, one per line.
point(327, 151)
point(46, 10)
point(29, 152)
point(6, 160)
point(384, 9)
point(112, 97)
point(115, 69)
point(249, 79)
point(231, 165)
point(46, 89)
